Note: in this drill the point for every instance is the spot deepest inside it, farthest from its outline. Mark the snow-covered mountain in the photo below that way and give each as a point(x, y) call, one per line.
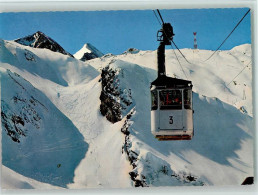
point(56, 125)
point(40, 40)
point(35, 132)
point(14, 180)
point(88, 52)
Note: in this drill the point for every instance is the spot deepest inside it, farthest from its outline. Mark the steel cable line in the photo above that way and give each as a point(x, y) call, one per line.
point(229, 35)
point(239, 73)
point(235, 77)
point(171, 44)
point(214, 51)
point(157, 17)
point(166, 35)
point(160, 16)
point(179, 61)
point(181, 52)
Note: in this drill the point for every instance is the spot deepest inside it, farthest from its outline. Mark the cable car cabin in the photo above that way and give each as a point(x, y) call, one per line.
point(171, 109)
point(171, 98)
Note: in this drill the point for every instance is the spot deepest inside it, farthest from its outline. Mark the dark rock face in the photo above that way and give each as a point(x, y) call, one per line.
point(132, 155)
point(16, 121)
point(145, 178)
point(248, 181)
point(88, 56)
point(115, 100)
point(131, 51)
point(109, 106)
point(40, 40)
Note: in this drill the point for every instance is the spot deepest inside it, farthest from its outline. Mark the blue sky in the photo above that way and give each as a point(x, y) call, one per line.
point(116, 31)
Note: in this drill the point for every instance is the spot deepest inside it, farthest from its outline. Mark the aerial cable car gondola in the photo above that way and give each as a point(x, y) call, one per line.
point(171, 98)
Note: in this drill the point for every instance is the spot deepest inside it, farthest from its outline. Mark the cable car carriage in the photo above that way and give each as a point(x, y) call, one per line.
point(171, 98)
point(171, 109)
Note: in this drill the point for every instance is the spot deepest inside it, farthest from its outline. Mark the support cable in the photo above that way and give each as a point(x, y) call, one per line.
point(180, 52)
point(229, 34)
point(173, 43)
point(160, 16)
point(157, 17)
point(179, 61)
point(235, 77)
point(239, 73)
point(167, 36)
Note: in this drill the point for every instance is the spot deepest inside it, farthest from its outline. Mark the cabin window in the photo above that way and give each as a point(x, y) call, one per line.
point(154, 100)
point(187, 99)
point(170, 99)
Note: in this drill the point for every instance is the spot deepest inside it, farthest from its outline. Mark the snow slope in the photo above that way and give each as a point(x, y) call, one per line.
point(38, 141)
point(217, 142)
point(14, 180)
point(125, 154)
point(39, 62)
point(216, 72)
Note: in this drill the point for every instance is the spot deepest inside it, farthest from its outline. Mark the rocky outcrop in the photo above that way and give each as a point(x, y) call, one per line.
point(110, 106)
point(20, 112)
point(113, 98)
point(147, 169)
point(132, 156)
point(40, 40)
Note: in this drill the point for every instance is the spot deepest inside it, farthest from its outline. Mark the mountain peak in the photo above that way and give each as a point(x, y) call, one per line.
point(87, 45)
point(39, 32)
point(40, 40)
point(88, 52)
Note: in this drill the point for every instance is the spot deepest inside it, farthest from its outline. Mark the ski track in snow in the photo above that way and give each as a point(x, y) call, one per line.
point(76, 94)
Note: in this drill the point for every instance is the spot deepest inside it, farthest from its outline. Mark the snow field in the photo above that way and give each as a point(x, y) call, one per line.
point(221, 152)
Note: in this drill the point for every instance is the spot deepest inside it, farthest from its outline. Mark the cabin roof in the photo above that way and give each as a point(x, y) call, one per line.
point(169, 82)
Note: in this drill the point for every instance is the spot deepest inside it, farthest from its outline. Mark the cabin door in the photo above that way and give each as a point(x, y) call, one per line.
point(171, 120)
point(170, 112)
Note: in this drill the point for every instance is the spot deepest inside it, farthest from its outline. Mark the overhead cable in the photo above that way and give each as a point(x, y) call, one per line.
point(229, 35)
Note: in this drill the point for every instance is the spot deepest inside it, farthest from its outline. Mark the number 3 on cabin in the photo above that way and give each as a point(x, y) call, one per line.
point(171, 120)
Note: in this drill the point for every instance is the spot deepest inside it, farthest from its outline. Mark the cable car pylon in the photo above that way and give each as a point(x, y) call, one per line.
point(171, 98)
